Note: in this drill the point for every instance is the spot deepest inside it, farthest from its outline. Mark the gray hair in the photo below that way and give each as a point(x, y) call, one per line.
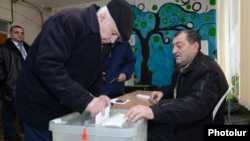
point(104, 9)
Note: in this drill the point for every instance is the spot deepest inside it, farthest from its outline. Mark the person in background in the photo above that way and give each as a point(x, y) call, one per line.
point(119, 67)
point(199, 83)
point(12, 55)
point(63, 72)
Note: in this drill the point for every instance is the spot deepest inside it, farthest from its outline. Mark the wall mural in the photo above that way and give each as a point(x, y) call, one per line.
point(153, 31)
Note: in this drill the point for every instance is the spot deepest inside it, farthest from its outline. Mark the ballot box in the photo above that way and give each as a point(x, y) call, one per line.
point(71, 128)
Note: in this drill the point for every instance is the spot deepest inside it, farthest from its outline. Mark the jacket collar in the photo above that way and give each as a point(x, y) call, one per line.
point(93, 18)
point(190, 67)
point(11, 44)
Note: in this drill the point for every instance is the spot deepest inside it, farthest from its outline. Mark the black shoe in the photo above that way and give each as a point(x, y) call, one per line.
point(13, 138)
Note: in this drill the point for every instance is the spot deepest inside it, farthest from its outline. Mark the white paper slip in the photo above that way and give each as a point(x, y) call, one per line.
point(117, 120)
point(99, 118)
point(143, 96)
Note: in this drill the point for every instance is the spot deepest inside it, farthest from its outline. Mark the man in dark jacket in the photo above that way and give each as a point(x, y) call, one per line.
point(63, 72)
point(199, 84)
point(11, 59)
point(119, 67)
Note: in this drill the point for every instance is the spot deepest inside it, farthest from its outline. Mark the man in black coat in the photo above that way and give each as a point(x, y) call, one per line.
point(181, 109)
point(63, 72)
point(12, 55)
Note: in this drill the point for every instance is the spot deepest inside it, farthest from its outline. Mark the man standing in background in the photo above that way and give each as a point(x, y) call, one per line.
point(12, 55)
point(119, 67)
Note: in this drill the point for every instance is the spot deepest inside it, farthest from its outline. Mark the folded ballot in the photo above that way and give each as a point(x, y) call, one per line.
point(117, 120)
point(99, 118)
point(111, 120)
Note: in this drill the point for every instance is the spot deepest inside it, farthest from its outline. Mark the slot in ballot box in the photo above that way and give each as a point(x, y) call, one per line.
point(70, 128)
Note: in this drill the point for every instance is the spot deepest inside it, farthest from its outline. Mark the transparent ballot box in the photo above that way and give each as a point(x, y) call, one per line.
point(71, 128)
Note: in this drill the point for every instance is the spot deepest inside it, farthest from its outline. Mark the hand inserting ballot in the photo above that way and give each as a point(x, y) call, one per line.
point(97, 105)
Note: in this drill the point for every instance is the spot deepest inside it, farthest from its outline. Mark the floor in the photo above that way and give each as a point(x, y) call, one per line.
point(238, 115)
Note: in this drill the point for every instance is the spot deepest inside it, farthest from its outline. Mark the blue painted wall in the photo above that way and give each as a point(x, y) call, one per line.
point(153, 33)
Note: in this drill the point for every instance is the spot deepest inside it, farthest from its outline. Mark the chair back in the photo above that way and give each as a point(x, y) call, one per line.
point(216, 108)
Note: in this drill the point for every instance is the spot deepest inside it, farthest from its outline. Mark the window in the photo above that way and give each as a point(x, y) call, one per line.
point(234, 46)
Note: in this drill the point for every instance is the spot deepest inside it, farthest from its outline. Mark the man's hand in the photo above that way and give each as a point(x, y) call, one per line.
point(156, 96)
point(106, 100)
point(96, 106)
point(140, 111)
point(122, 77)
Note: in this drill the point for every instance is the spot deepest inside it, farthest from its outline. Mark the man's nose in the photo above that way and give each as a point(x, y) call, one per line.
point(174, 50)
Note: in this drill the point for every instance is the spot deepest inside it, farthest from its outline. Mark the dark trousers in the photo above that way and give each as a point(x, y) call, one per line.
point(159, 131)
point(8, 118)
point(32, 134)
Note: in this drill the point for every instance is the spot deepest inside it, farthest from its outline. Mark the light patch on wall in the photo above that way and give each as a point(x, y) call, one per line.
point(132, 40)
point(204, 47)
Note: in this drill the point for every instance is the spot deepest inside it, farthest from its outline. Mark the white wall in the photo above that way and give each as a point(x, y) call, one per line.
point(5, 7)
point(24, 15)
point(244, 21)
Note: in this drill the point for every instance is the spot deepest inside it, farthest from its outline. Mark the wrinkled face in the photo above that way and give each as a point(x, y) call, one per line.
point(17, 34)
point(183, 51)
point(108, 30)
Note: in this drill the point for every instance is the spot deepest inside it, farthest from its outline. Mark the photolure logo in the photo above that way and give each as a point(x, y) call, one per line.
point(213, 132)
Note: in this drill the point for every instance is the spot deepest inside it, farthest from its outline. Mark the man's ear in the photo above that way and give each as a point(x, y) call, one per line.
point(196, 45)
point(102, 17)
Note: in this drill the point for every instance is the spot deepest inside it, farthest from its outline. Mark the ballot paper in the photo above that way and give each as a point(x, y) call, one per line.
point(100, 118)
point(117, 120)
point(143, 96)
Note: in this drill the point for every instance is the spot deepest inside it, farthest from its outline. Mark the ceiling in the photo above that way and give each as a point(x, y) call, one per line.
point(57, 3)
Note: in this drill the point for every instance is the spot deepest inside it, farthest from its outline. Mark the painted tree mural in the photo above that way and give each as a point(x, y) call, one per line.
point(153, 33)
